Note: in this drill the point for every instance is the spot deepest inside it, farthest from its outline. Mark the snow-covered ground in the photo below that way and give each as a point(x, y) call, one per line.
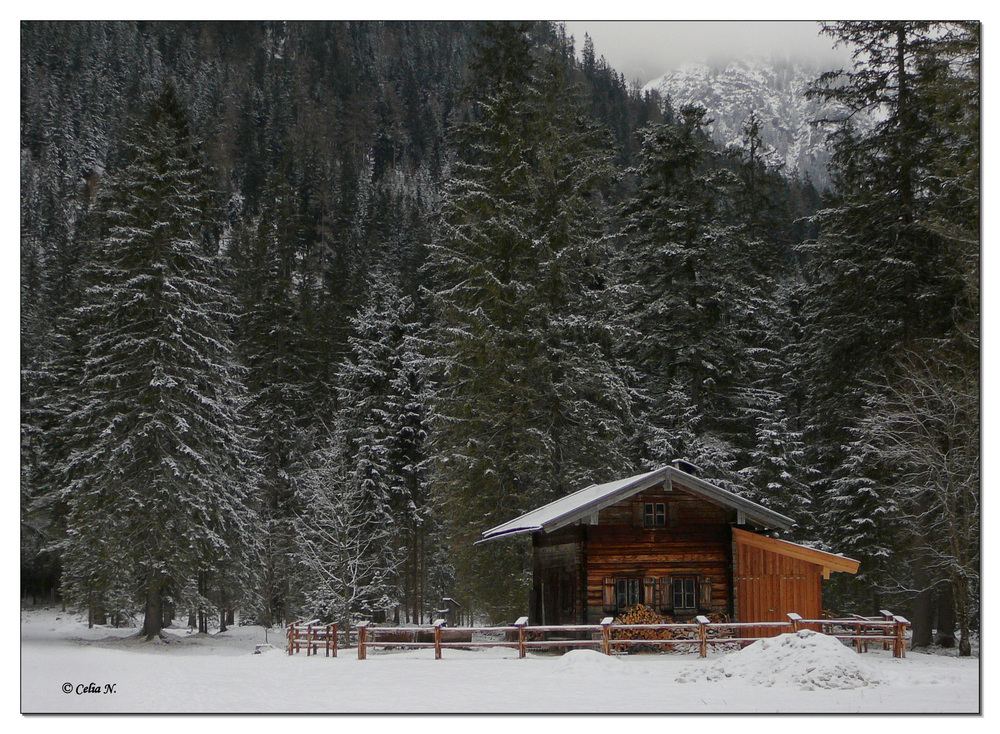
point(66, 667)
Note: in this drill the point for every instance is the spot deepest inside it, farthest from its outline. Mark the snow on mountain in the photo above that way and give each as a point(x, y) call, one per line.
point(774, 89)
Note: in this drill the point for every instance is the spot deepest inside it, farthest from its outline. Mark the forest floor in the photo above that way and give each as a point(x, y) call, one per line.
point(68, 668)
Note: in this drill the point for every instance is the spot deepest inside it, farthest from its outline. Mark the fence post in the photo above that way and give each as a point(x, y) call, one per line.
point(291, 633)
point(899, 645)
point(702, 634)
point(606, 635)
point(521, 621)
point(795, 619)
point(362, 639)
point(886, 616)
point(438, 623)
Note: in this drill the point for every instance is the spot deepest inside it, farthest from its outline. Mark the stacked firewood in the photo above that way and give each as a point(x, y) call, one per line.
point(643, 615)
point(639, 615)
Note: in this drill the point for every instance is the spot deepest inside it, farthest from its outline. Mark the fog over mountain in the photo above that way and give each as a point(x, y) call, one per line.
point(643, 50)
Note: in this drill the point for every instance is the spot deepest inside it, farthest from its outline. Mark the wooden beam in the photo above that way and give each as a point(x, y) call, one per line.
point(828, 561)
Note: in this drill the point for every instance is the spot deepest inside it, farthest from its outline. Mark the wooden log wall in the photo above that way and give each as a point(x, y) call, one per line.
point(695, 541)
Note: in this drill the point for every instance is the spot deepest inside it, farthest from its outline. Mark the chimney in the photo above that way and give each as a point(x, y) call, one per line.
point(686, 466)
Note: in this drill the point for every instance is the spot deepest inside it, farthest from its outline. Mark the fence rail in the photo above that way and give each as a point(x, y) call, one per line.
point(312, 636)
point(608, 637)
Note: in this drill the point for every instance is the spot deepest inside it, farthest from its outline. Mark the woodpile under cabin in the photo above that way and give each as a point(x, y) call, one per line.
point(673, 542)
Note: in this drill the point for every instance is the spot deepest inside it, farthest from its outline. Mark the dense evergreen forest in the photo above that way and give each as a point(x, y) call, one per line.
point(306, 307)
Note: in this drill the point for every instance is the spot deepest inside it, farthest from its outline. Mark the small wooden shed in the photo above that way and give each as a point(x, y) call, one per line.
point(673, 542)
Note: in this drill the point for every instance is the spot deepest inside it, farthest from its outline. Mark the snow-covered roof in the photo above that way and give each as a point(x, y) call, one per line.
point(585, 502)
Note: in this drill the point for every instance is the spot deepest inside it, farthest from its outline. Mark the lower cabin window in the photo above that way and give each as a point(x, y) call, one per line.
point(627, 592)
point(670, 595)
point(684, 594)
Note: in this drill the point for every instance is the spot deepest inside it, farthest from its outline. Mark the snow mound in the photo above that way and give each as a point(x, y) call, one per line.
point(806, 659)
point(578, 661)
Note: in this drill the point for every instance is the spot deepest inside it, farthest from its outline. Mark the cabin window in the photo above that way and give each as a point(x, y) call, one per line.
point(627, 592)
point(684, 593)
point(655, 514)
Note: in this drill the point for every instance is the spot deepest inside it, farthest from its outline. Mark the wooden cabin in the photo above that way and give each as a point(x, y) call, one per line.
point(673, 542)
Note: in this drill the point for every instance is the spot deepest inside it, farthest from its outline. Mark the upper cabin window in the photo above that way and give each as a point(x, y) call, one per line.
point(655, 514)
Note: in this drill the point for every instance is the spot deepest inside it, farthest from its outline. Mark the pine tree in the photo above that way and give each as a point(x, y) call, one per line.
point(766, 424)
point(154, 482)
point(531, 402)
point(369, 483)
point(265, 269)
point(887, 276)
point(409, 404)
point(682, 263)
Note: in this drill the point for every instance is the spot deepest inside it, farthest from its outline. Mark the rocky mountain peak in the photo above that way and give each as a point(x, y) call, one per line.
point(773, 88)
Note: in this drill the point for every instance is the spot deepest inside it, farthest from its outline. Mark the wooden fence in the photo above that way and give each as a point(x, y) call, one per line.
point(888, 629)
point(312, 636)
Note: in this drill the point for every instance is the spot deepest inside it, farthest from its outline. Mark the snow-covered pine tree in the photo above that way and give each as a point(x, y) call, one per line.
point(764, 425)
point(587, 396)
point(530, 403)
point(369, 482)
point(409, 405)
point(265, 259)
point(680, 258)
point(155, 479)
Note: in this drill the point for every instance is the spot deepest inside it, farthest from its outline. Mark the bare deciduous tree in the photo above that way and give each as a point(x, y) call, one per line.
point(925, 426)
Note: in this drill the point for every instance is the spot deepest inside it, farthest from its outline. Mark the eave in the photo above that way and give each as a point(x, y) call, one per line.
point(829, 562)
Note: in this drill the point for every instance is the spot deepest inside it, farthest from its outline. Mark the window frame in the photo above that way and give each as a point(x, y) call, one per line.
point(628, 588)
point(684, 588)
point(654, 515)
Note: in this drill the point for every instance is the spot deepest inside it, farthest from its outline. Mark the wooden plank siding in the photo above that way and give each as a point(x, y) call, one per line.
point(769, 585)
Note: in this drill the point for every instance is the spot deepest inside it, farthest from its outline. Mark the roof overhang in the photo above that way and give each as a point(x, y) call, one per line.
point(830, 562)
point(590, 500)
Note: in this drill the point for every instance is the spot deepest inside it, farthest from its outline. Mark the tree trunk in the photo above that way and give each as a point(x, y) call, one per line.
point(168, 611)
point(923, 606)
point(960, 591)
point(203, 593)
point(95, 613)
point(945, 617)
point(152, 625)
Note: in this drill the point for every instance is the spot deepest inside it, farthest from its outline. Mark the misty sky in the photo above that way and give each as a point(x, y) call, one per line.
point(646, 49)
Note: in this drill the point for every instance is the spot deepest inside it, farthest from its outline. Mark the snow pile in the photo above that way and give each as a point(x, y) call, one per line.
point(586, 661)
point(805, 659)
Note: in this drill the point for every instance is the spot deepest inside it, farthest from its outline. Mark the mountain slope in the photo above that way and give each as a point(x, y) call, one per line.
point(774, 89)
